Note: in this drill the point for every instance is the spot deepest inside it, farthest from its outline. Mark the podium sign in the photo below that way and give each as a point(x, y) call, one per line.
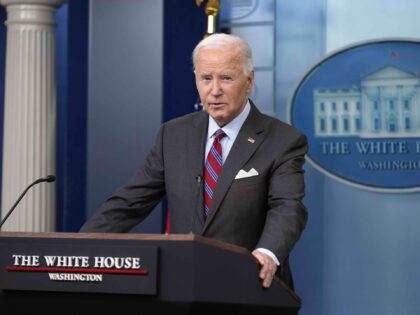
point(180, 274)
point(37, 266)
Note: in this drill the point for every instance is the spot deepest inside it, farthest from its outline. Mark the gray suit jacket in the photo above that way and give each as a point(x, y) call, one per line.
point(260, 211)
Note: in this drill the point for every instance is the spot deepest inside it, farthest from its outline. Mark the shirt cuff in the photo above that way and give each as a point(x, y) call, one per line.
point(269, 253)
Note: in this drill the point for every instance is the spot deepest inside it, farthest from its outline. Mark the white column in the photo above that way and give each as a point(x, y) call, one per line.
point(400, 110)
point(29, 114)
point(382, 108)
point(366, 114)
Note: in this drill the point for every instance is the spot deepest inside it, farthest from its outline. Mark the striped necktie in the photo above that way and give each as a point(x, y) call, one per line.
point(212, 169)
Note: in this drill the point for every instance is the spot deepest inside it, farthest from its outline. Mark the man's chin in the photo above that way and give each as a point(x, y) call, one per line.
point(220, 120)
point(218, 114)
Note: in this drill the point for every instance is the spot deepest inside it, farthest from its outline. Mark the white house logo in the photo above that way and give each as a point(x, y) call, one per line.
point(360, 108)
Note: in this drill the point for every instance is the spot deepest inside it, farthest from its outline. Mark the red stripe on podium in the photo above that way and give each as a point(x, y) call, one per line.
point(80, 270)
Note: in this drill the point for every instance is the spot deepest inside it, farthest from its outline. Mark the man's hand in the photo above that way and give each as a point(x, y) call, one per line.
point(268, 268)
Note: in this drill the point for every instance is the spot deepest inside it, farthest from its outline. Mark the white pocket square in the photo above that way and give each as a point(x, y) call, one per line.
point(243, 174)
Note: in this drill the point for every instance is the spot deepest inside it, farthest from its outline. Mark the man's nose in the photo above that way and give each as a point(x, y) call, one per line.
point(216, 88)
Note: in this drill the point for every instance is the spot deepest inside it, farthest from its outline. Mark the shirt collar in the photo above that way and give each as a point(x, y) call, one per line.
point(232, 128)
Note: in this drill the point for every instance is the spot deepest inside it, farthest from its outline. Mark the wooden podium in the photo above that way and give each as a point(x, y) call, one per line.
point(81, 273)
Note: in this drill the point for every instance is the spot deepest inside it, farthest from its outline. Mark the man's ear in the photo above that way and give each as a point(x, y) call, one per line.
point(250, 82)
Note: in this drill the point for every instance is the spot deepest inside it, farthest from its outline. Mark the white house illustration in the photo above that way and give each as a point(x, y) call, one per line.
point(386, 104)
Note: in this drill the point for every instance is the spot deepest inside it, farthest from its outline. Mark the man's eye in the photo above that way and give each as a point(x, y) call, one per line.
point(227, 78)
point(206, 78)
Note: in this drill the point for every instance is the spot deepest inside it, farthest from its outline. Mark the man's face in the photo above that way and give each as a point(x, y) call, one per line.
point(222, 83)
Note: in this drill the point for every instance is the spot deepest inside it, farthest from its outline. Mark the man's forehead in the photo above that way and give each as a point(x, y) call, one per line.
point(218, 59)
point(205, 72)
point(224, 68)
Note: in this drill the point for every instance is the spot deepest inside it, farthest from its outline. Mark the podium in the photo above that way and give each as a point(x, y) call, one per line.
point(90, 273)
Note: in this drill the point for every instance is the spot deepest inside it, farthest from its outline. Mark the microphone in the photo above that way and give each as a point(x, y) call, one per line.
point(47, 179)
point(199, 179)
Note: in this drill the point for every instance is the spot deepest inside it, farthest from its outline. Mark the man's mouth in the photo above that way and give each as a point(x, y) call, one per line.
point(216, 104)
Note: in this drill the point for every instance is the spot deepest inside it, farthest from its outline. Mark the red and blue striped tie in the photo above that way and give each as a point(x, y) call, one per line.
point(212, 169)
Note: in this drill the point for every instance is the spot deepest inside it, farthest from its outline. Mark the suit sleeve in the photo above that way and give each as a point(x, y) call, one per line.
point(286, 215)
point(133, 202)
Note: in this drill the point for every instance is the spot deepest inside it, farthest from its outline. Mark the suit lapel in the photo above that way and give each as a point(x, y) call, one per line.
point(248, 140)
point(197, 139)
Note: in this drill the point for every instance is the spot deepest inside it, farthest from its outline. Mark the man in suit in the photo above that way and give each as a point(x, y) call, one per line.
point(251, 197)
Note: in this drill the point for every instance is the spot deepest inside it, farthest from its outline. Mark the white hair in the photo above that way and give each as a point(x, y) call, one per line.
point(221, 40)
